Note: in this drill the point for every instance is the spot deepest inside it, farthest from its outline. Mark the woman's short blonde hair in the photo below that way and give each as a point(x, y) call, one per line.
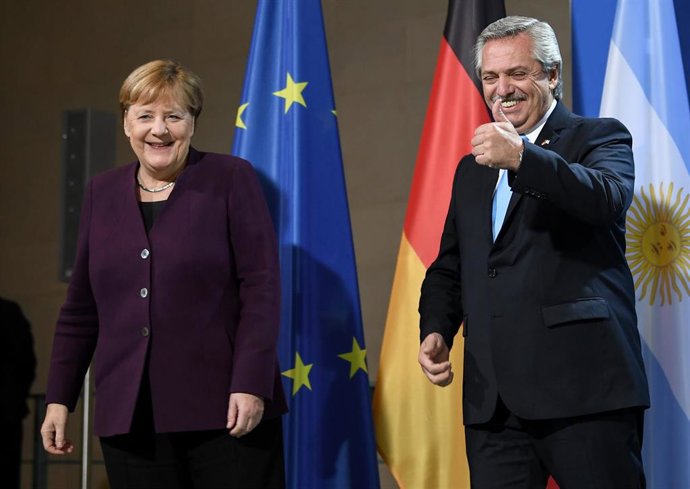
point(162, 78)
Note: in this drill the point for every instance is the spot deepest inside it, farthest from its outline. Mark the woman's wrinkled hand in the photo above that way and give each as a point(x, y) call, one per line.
point(244, 413)
point(53, 430)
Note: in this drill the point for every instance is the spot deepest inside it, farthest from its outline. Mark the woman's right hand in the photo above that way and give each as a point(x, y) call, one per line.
point(53, 430)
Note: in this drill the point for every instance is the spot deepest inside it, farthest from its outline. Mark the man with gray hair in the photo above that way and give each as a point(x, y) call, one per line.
point(532, 265)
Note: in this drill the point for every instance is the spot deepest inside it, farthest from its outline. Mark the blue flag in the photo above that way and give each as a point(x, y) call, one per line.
point(287, 127)
point(644, 86)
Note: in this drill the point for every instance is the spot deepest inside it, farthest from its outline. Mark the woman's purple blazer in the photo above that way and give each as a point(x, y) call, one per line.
point(200, 294)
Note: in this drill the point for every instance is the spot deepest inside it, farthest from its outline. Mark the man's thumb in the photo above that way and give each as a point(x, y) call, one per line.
point(497, 111)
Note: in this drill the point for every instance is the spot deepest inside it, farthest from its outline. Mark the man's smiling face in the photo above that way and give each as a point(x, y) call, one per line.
point(510, 72)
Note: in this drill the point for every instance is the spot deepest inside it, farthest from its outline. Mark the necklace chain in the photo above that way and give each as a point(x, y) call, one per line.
point(154, 190)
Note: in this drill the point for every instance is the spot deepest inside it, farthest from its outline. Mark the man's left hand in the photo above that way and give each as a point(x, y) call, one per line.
point(244, 413)
point(497, 144)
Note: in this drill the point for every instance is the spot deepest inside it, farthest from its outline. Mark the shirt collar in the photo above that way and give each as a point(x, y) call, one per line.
point(534, 133)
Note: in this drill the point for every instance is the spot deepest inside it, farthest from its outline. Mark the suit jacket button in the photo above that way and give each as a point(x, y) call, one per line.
point(144, 331)
point(145, 254)
point(492, 272)
point(144, 292)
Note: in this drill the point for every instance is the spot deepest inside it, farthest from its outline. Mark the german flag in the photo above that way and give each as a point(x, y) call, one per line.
point(419, 430)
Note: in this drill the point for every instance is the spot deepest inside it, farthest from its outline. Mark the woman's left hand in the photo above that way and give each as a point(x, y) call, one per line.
point(244, 413)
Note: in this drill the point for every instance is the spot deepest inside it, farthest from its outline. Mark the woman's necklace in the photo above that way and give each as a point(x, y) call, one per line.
point(154, 190)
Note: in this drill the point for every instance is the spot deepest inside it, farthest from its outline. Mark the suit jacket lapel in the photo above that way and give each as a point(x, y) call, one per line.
point(488, 187)
point(515, 198)
point(557, 121)
point(130, 204)
point(548, 136)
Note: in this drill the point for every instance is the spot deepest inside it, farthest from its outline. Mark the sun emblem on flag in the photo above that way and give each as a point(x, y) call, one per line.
point(658, 237)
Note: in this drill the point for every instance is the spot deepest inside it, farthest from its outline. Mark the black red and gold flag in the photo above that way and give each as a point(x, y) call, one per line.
point(419, 429)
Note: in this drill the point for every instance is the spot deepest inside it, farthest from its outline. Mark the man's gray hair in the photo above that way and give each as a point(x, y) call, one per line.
point(544, 44)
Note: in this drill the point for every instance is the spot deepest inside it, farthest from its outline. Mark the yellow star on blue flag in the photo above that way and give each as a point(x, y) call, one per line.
point(238, 119)
point(357, 358)
point(292, 93)
point(299, 374)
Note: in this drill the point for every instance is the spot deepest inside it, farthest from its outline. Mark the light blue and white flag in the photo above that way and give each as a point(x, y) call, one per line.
point(644, 87)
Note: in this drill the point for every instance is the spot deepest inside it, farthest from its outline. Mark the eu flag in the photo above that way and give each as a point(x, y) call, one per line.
point(287, 127)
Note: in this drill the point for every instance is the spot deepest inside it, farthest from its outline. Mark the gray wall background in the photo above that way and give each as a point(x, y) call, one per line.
point(75, 54)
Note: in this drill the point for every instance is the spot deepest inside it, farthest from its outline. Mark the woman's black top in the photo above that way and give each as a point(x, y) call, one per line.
point(149, 211)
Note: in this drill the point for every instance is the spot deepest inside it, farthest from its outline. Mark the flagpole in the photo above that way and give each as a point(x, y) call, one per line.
point(85, 433)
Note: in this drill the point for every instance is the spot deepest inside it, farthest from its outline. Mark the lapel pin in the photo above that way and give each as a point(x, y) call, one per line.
point(545, 142)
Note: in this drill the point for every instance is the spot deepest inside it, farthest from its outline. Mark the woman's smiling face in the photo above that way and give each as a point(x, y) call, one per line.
point(160, 133)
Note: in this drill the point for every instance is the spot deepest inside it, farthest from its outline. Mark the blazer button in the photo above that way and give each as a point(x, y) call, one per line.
point(144, 292)
point(145, 254)
point(144, 331)
point(492, 272)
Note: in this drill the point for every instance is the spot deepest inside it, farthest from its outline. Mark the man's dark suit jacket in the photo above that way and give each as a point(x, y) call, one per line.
point(548, 310)
point(200, 293)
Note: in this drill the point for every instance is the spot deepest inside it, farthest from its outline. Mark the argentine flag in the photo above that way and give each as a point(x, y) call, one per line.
point(644, 87)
